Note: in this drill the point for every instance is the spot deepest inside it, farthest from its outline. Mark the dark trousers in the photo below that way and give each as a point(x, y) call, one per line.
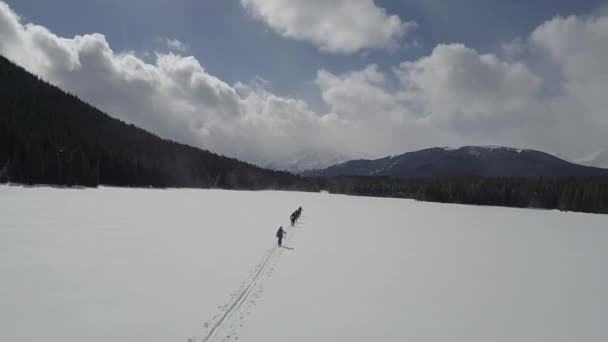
point(280, 240)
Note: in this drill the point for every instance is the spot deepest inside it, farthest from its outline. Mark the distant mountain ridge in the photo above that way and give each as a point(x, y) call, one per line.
point(481, 161)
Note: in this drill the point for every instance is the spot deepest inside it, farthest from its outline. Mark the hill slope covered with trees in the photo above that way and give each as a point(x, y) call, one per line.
point(50, 137)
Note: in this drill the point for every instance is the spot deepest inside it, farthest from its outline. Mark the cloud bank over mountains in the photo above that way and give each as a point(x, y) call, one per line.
point(544, 91)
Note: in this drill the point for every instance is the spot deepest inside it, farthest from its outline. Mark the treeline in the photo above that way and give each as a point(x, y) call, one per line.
point(572, 194)
point(51, 137)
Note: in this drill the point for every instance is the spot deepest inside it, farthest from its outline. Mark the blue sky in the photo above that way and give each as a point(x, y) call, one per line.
point(235, 47)
point(401, 75)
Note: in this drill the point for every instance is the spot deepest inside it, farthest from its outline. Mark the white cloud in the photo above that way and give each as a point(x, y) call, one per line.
point(383, 120)
point(344, 26)
point(457, 95)
point(355, 95)
point(173, 96)
point(453, 96)
point(578, 47)
point(458, 83)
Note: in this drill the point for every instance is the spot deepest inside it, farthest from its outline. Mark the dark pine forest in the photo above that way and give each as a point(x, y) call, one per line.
point(50, 137)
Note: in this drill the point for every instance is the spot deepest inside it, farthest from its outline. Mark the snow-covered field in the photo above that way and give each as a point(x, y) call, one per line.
point(168, 265)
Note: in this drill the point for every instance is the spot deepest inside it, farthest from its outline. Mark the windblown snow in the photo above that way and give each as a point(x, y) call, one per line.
point(114, 264)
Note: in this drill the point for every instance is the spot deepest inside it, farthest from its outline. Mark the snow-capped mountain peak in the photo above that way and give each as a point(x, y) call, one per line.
point(307, 160)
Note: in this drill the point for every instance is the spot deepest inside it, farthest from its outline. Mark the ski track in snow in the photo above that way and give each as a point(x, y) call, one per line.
point(226, 325)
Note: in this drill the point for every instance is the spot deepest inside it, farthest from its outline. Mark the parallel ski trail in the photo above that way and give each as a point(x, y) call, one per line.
point(226, 320)
point(240, 298)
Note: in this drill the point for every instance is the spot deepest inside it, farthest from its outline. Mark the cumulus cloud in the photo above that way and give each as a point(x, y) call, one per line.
point(344, 26)
point(384, 120)
point(174, 97)
point(357, 94)
point(578, 48)
point(552, 97)
point(458, 83)
point(548, 94)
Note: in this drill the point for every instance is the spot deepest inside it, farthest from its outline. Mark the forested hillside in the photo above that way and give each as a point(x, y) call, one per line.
point(50, 137)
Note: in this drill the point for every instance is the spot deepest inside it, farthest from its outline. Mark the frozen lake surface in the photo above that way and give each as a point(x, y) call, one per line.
point(114, 264)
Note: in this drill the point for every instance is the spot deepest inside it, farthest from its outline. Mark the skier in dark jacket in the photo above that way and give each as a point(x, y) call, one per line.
point(280, 234)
